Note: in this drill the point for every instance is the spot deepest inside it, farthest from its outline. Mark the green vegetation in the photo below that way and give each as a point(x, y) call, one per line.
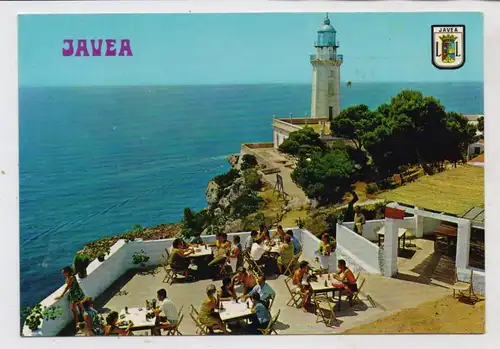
point(425, 134)
point(480, 125)
point(411, 130)
point(325, 176)
point(304, 142)
point(140, 258)
point(248, 161)
point(34, 315)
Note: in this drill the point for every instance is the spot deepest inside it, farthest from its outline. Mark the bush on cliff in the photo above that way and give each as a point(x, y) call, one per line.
point(248, 161)
point(194, 222)
point(252, 180)
point(303, 143)
point(226, 179)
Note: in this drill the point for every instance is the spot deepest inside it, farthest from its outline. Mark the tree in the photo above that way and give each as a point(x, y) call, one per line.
point(324, 176)
point(480, 125)
point(248, 161)
point(457, 138)
point(353, 123)
point(303, 142)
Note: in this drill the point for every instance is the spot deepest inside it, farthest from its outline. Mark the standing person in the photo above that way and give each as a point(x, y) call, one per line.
point(75, 293)
point(300, 286)
point(261, 315)
point(249, 241)
point(349, 213)
point(111, 329)
point(94, 324)
point(345, 275)
point(207, 315)
point(324, 250)
point(359, 220)
point(237, 252)
point(166, 313)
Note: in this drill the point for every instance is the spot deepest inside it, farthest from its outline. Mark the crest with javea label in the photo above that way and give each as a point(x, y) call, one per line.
point(448, 46)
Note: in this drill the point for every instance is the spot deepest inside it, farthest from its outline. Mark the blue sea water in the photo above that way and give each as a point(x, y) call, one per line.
point(94, 161)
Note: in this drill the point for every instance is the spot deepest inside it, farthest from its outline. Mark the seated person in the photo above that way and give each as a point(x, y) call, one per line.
point(286, 254)
point(280, 233)
point(295, 242)
point(249, 241)
point(94, 325)
point(111, 328)
point(264, 235)
point(246, 279)
point(345, 275)
point(261, 315)
point(237, 252)
point(178, 254)
point(196, 239)
point(166, 313)
point(264, 290)
point(226, 292)
point(257, 250)
point(220, 255)
point(324, 250)
point(300, 286)
point(207, 315)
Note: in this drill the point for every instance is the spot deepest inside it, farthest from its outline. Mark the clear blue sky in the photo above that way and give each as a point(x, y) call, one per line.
point(240, 48)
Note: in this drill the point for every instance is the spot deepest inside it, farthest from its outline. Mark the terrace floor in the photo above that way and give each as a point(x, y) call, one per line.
point(389, 295)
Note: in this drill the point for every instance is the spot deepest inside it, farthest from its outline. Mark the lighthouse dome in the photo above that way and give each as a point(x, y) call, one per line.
point(327, 27)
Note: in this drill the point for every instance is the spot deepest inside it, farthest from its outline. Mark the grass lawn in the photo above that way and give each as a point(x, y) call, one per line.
point(453, 191)
point(446, 315)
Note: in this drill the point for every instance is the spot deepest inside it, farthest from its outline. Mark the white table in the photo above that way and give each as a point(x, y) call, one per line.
point(332, 285)
point(235, 311)
point(401, 235)
point(138, 317)
point(273, 249)
point(201, 251)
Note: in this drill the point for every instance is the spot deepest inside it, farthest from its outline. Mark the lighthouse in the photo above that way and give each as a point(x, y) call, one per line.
point(325, 100)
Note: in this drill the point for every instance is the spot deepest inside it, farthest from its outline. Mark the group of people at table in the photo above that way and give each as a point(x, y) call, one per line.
point(180, 256)
point(257, 289)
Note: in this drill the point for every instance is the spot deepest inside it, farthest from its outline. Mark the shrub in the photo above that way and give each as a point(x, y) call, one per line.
point(252, 180)
point(247, 204)
point(303, 142)
point(248, 161)
point(226, 179)
point(371, 188)
point(325, 177)
point(140, 258)
point(36, 314)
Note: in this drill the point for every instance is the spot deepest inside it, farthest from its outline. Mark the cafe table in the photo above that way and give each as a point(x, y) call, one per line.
point(201, 251)
point(138, 317)
point(233, 310)
point(332, 285)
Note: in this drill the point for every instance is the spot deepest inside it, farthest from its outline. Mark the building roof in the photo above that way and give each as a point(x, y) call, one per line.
point(473, 117)
point(474, 214)
point(453, 191)
point(326, 27)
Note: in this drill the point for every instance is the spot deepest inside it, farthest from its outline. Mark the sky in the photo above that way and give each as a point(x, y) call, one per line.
point(181, 49)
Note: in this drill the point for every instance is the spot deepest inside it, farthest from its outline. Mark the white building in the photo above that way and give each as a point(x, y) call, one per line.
point(325, 101)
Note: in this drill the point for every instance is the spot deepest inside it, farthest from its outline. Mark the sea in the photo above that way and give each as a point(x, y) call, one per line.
point(95, 161)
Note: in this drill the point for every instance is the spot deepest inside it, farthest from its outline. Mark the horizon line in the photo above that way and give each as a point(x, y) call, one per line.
point(253, 83)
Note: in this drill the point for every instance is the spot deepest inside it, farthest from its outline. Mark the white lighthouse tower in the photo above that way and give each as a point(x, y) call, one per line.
point(325, 101)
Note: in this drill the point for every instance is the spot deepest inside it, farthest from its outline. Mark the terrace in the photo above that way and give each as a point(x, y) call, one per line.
point(115, 285)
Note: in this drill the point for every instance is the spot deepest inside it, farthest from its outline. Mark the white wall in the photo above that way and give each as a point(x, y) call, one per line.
point(371, 227)
point(358, 249)
point(101, 275)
